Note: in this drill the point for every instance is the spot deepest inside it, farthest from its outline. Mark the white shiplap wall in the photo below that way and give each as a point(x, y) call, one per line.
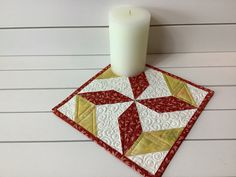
point(51, 13)
point(50, 47)
point(94, 40)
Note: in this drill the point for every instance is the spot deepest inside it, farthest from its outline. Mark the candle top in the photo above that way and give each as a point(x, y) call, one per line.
point(129, 15)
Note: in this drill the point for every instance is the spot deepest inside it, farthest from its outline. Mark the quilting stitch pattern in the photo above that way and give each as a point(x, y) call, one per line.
point(139, 119)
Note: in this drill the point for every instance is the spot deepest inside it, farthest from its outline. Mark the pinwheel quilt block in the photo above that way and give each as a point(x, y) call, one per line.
point(142, 120)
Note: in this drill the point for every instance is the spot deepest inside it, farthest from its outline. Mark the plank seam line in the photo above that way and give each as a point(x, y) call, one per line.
point(66, 55)
point(72, 141)
point(107, 54)
point(71, 88)
point(46, 112)
point(78, 69)
point(106, 26)
point(25, 112)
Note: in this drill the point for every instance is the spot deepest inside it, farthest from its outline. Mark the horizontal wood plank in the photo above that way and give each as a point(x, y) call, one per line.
point(225, 59)
point(75, 78)
point(45, 100)
point(88, 13)
point(212, 158)
point(79, 41)
point(47, 127)
point(61, 50)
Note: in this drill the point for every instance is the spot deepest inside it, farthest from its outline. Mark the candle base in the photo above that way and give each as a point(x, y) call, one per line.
point(127, 72)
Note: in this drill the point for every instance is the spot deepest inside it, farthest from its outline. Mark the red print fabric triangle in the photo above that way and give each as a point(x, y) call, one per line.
point(166, 104)
point(141, 120)
point(130, 127)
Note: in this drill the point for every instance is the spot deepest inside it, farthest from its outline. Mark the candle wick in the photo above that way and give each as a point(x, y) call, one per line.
point(129, 12)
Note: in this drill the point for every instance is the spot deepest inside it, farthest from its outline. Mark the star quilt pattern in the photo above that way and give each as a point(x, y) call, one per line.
point(141, 120)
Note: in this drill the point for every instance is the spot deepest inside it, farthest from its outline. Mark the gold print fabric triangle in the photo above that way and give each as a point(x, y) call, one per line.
point(107, 74)
point(86, 115)
point(155, 141)
point(185, 95)
point(172, 83)
point(179, 89)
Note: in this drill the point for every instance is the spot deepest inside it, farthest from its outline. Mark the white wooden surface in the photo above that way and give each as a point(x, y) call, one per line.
point(34, 142)
point(46, 13)
point(86, 159)
point(50, 47)
point(84, 41)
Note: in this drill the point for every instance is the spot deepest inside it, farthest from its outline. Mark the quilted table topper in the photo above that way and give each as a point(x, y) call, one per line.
point(141, 120)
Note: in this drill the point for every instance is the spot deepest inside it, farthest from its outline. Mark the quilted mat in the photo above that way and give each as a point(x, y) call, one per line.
point(141, 120)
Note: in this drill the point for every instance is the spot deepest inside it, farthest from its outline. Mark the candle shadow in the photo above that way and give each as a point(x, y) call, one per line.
point(161, 36)
point(157, 60)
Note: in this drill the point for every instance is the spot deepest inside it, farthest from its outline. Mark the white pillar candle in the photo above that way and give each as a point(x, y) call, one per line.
point(128, 31)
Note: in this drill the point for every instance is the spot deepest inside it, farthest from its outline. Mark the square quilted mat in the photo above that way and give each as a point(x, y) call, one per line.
point(141, 120)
